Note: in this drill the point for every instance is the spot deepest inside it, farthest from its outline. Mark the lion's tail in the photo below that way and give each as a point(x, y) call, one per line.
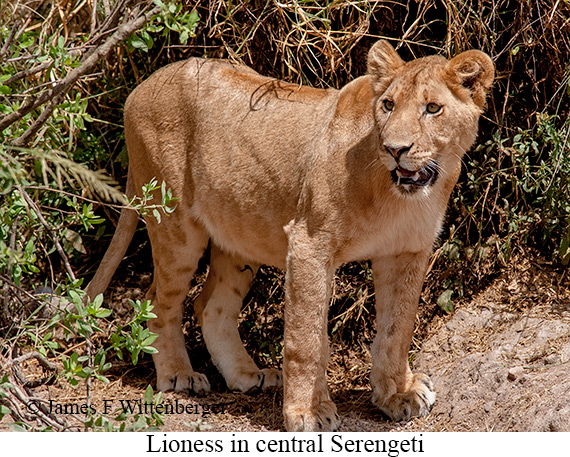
point(126, 227)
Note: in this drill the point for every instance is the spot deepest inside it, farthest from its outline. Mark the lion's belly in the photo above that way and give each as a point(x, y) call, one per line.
point(244, 196)
point(253, 240)
point(255, 232)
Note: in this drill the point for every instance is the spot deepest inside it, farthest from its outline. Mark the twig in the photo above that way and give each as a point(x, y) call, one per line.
point(8, 41)
point(80, 197)
point(18, 28)
point(32, 71)
point(55, 239)
point(6, 291)
point(110, 21)
point(12, 284)
point(35, 355)
point(23, 139)
point(93, 16)
point(42, 361)
point(106, 7)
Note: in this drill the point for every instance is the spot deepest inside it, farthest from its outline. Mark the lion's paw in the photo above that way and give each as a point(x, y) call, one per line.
point(322, 418)
point(190, 382)
point(415, 402)
point(255, 381)
point(272, 378)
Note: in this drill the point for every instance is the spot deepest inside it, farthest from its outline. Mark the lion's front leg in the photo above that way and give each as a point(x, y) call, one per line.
point(307, 405)
point(398, 392)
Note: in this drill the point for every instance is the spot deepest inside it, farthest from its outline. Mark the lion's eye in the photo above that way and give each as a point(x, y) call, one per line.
point(433, 108)
point(388, 105)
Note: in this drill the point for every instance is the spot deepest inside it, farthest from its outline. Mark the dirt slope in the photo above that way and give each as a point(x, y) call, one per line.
point(500, 371)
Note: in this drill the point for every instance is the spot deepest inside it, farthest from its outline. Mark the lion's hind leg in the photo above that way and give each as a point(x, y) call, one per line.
point(217, 309)
point(177, 246)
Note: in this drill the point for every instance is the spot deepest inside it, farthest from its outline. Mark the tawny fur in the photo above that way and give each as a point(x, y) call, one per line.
point(299, 178)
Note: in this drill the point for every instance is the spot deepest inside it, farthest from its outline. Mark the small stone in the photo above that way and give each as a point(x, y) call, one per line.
point(488, 406)
point(552, 359)
point(515, 373)
point(500, 376)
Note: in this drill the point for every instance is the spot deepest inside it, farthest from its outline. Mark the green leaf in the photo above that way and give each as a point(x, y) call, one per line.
point(148, 394)
point(101, 378)
point(149, 340)
point(193, 20)
point(135, 356)
point(4, 411)
point(444, 301)
point(75, 240)
point(139, 43)
point(184, 35)
point(97, 301)
point(17, 428)
point(17, 274)
point(157, 215)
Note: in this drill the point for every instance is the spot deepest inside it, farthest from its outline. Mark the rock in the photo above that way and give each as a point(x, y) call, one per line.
point(515, 373)
point(552, 359)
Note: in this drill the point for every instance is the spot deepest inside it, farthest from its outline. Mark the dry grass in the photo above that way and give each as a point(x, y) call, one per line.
point(323, 43)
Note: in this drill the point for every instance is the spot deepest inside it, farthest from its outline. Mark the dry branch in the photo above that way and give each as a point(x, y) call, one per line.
point(91, 58)
point(23, 406)
point(54, 237)
point(45, 363)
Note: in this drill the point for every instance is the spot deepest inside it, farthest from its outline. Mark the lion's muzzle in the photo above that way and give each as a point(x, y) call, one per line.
point(425, 176)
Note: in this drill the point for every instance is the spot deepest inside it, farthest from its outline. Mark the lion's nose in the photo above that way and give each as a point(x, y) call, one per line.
point(397, 150)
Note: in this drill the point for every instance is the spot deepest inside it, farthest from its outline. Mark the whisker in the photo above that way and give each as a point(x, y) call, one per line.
point(372, 164)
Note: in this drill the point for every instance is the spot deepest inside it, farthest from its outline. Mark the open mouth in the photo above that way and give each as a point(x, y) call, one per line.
point(423, 177)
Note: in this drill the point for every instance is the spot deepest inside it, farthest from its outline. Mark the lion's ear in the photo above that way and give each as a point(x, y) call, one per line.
point(475, 71)
point(383, 62)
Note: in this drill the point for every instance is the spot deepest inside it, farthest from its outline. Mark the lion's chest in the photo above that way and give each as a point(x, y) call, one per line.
point(409, 228)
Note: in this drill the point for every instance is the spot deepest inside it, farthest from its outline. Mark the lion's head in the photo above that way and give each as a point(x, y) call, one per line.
point(427, 113)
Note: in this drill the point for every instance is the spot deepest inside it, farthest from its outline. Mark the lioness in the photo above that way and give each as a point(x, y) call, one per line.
point(303, 179)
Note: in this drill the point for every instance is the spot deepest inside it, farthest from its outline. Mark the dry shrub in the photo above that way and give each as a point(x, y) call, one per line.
point(324, 43)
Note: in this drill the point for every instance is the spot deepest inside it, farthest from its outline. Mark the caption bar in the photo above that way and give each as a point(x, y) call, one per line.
point(262, 443)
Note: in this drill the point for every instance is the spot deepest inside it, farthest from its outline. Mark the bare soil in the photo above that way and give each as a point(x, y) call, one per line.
point(500, 362)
